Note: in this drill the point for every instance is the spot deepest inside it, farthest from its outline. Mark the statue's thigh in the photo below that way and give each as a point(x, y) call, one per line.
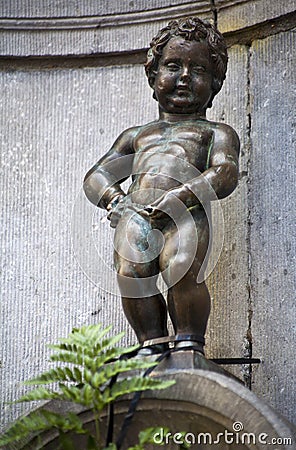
point(186, 245)
point(132, 246)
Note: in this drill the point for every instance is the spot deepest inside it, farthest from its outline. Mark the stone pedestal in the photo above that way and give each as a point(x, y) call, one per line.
point(207, 404)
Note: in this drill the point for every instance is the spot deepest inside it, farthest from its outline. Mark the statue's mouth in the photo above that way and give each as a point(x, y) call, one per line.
point(183, 88)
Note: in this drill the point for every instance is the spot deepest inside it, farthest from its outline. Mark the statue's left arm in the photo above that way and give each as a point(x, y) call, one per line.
point(221, 178)
point(218, 181)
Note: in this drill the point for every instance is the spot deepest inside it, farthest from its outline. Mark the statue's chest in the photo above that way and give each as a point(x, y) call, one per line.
point(191, 145)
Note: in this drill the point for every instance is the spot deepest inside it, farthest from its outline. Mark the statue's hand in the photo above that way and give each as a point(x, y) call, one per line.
point(115, 210)
point(169, 204)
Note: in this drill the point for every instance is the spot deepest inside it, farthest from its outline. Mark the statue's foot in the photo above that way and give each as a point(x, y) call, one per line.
point(155, 349)
point(194, 341)
point(196, 346)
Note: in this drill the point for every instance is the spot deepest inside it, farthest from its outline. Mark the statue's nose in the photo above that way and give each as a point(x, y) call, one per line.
point(185, 74)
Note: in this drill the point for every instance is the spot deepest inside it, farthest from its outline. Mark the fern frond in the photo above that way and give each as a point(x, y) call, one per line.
point(120, 366)
point(108, 356)
point(56, 375)
point(88, 340)
point(111, 447)
point(39, 393)
point(98, 401)
point(72, 348)
point(147, 436)
point(86, 395)
point(80, 395)
point(77, 356)
point(109, 342)
point(92, 333)
point(77, 374)
point(134, 384)
point(41, 420)
point(72, 358)
point(98, 375)
point(94, 361)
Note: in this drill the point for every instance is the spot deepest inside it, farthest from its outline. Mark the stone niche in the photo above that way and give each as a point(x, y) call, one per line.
point(65, 70)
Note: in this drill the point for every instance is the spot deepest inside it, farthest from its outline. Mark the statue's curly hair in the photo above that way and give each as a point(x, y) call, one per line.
point(191, 28)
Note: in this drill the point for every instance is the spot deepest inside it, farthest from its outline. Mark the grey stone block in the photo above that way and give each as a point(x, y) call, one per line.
point(272, 216)
point(54, 126)
point(229, 281)
point(233, 16)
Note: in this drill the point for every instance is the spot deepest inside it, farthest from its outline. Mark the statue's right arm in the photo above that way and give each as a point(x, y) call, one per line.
point(102, 182)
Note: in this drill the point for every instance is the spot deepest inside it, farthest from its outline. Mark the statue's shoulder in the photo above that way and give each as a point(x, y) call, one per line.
point(131, 132)
point(221, 127)
point(127, 137)
point(224, 132)
point(138, 129)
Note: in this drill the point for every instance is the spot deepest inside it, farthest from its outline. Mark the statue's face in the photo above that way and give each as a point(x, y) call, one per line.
point(183, 83)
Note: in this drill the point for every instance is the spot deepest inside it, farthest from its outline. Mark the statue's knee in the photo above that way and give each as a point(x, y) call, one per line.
point(137, 271)
point(135, 283)
point(126, 271)
point(175, 271)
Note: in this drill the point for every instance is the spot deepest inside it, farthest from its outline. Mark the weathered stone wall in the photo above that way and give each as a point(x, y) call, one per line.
point(272, 205)
point(69, 87)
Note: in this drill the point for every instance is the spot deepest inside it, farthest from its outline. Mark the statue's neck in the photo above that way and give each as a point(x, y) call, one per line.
point(173, 117)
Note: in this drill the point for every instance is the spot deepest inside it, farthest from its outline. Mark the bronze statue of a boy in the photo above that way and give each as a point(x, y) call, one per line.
point(176, 163)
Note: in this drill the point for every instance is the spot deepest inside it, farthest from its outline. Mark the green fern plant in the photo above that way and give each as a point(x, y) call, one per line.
point(90, 359)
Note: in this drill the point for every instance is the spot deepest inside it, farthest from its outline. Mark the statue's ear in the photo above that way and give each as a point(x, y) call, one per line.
point(152, 78)
point(216, 86)
point(210, 103)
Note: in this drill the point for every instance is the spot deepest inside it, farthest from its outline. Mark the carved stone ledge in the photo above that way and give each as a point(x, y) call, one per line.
point(109, 20)
point(238, 15)
point(82, 33)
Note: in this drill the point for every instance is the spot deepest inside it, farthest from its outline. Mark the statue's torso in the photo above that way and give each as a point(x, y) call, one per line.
point(167, 155)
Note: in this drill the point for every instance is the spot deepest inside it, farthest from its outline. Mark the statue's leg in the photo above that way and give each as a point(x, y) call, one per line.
point(188, 301)
point(136, 262)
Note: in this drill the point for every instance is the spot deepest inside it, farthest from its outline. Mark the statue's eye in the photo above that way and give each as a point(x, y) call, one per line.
point(174, 67)
point(198, 69)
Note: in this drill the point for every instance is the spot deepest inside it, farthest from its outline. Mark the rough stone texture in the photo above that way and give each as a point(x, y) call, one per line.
point(77, 42)
point(272, 216)
point(54, 125)
point(88, 28)
point(228, 283)
point(53, 128)
point(77, 8)
point(240, 14)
